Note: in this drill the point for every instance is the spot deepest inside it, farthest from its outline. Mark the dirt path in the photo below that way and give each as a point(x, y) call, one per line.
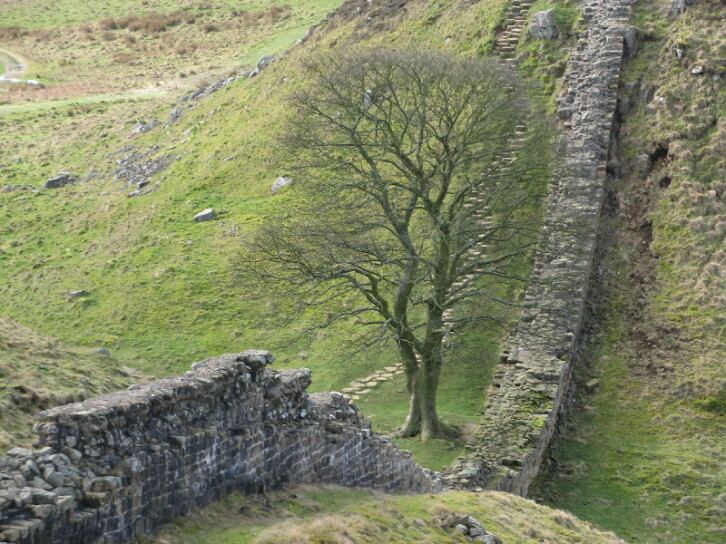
point(16, 66)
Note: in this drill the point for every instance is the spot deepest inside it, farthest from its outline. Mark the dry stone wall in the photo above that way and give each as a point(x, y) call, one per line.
point(115, 467)
point(534, 373)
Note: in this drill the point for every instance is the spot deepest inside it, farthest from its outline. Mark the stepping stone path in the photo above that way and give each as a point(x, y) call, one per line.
point(505, 43)
point(364, 386)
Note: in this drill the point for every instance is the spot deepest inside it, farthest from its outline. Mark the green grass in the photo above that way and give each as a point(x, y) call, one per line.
point(341, 516)
point(647, 471)
point(544, 61)
point(38, 372)
point(70, 103)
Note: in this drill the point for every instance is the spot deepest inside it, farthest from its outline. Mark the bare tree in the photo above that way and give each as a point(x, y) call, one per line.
point(416, 199)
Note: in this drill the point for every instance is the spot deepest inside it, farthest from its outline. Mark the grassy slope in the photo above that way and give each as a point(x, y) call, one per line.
point(343, 516)
point(80, 50)
point(37, 372)
point(644, 455)
point(162, 288)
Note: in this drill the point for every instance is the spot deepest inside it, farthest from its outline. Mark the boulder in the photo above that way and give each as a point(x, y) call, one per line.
point(61, 180)
point(263, 63)
point(103, 351)
point(205, 215)
point(143, 127)
point(544, 26)
point(631, 39)
point(19, 452)
point(78, 294)
point(679, 7)
point(280, 183)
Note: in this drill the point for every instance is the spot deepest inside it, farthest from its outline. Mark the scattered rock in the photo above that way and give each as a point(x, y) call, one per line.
point(592, 385)
point(280, 183)
point(103, 351)
point(678, 7)
point(544, 27)
point(263, 63)
point(142, 127)
point(61, 180)
point(697, 70)
point(470, 527)
point(78, 294)
point(138, 166)
point(205, 215)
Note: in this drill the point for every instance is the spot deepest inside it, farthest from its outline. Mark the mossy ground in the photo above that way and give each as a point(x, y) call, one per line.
point(343, 516)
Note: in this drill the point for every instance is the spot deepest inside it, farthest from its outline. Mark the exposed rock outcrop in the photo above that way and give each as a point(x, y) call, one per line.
point(61, 180)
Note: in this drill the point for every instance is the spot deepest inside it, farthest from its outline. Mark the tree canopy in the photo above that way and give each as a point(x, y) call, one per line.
point(418, 196)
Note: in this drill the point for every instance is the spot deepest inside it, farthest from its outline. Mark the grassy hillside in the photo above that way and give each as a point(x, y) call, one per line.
point(344, 516)
point(38, 372)
point(643, 454)
point(160, 286)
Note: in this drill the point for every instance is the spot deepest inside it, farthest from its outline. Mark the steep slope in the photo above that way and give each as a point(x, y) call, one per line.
point(643, 450)
point(37, 372)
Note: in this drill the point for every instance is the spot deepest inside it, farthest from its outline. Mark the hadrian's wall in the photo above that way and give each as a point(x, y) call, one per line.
point(115, 467)
point(534, 373)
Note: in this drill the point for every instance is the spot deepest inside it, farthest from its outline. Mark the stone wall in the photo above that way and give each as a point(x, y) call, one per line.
point(534, 374)
point(115, 467)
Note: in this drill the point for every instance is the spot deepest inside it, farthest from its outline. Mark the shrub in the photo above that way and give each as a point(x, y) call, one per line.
point(12, 32)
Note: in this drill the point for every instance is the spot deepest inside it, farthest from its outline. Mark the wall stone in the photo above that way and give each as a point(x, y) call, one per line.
point(115, 467)
point(534, 374)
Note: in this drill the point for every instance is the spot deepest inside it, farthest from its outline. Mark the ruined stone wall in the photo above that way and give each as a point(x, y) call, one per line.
point(534, 373)
point(115, 467)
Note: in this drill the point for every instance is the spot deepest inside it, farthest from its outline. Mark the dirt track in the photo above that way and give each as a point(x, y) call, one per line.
point(15, 65)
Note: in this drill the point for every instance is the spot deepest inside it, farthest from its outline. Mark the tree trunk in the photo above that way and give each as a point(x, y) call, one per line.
point(412, 425)
point(422, 384)
point(431, 426)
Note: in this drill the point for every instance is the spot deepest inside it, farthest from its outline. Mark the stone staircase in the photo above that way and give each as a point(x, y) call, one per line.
point(501, 167)
point(505, 43)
